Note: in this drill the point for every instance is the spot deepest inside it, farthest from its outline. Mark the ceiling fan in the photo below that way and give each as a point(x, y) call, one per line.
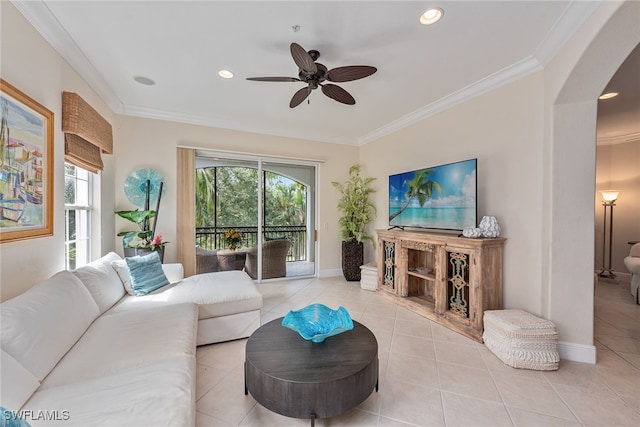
point(315, 74)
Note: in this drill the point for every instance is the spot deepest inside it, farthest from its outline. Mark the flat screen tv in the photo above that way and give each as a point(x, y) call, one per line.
point(439, 197)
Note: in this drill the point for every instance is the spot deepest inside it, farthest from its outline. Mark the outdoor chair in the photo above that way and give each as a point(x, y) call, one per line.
point(274, 259)
point(206, 261)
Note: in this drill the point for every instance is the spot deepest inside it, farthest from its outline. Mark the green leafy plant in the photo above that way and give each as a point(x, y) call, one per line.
point(355, 207)
point(142, 237)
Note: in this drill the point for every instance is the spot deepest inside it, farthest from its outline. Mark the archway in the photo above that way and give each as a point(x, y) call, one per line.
point(570, 170)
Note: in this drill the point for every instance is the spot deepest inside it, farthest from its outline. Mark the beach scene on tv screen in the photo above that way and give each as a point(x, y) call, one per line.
point(440, 197)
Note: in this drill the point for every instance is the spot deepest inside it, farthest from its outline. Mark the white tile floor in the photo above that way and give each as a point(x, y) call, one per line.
point(431, 376)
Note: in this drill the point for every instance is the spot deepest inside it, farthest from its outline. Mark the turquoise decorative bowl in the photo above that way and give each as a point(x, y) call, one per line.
point(316, 322)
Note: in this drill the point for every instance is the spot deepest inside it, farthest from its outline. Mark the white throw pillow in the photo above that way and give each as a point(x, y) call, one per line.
point(39, 326)
point(102, 281)
point(122, 269)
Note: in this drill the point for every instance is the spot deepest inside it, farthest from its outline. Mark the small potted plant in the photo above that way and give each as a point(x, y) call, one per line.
point(233, 238)
point(356, 212)
point(144, 240)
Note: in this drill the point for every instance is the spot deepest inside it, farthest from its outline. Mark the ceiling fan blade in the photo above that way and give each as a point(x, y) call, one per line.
point(349, 73)
point(302, 59)
point(274, 79)
point(337, 93)
point(299, 96)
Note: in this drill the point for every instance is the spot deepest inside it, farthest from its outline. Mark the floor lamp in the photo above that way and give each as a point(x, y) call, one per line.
point(609, 198)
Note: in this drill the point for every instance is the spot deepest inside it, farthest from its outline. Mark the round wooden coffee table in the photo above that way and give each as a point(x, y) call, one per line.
point(298, 378)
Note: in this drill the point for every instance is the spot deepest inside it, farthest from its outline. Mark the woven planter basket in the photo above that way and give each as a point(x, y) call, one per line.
point(352, 259)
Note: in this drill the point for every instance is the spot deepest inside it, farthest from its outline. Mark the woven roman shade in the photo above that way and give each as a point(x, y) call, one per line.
point(81, 153)
point(87, 133)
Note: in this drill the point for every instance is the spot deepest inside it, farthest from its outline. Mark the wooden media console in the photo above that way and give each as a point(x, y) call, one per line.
point(448, 279)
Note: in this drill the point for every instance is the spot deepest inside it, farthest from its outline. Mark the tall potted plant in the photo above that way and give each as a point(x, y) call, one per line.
point(356, 212)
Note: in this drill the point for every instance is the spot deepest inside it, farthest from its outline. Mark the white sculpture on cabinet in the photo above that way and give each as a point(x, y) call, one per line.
point(489, 226)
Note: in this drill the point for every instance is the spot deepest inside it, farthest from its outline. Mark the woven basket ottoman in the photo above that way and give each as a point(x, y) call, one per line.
point(521, 340)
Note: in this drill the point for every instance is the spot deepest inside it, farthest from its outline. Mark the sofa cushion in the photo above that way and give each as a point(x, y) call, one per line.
point(160, 393)
point(220, 294)
point(217, 294)
point(102, 281)
point(146, 273)
point(16, 383)
point(39, 326)
point(119, 341)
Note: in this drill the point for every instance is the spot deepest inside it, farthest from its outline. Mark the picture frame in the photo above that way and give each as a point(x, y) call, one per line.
point(26, 166)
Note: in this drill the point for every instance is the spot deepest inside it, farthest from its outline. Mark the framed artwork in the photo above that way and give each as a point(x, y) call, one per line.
point(26, 167)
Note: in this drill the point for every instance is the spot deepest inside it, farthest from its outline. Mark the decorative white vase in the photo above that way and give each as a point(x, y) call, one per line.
point(472, 232)
point(489, 226)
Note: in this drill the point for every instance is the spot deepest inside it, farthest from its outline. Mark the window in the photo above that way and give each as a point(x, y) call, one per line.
point(264, 200)
point(77, 214)
point(227, 197)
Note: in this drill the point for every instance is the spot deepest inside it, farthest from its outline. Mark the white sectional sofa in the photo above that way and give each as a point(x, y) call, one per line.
point(632, 262)
point(76, 349)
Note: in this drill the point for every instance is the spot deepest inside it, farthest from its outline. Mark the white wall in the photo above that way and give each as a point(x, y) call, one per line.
point(35, 68)
point(145, 143)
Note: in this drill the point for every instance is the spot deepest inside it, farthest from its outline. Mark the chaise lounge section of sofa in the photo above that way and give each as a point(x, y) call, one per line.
point(76, 349)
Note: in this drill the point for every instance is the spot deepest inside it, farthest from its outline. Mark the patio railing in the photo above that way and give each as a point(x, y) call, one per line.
point(213, 238)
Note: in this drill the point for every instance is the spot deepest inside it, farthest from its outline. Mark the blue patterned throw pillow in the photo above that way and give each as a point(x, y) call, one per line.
point(146, 273)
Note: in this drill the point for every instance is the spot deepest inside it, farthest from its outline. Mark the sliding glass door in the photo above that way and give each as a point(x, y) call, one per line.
point(254, 214)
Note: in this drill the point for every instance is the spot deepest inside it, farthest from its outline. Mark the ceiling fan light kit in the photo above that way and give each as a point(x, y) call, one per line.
point(315, 75)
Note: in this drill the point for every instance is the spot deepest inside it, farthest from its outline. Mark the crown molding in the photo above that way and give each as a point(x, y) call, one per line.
point(39, 15)
point(507, 75)
point(574, 15)
point(41, 18)
point(572, 18)
point(618, 139)
point(225, 122)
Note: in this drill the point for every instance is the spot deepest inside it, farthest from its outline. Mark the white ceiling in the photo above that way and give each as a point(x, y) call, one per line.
point(181, 45)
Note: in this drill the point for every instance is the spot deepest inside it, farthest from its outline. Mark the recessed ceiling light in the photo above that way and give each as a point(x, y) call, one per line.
point(225, 74)
point(144, 80)
point(608, 95)
point(431, 16)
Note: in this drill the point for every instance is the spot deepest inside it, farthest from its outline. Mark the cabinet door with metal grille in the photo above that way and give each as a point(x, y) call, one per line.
point(461, 292)
point(387, 271)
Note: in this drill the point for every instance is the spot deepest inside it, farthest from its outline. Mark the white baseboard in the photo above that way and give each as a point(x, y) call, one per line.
point(330, 273)
point(577, 352)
